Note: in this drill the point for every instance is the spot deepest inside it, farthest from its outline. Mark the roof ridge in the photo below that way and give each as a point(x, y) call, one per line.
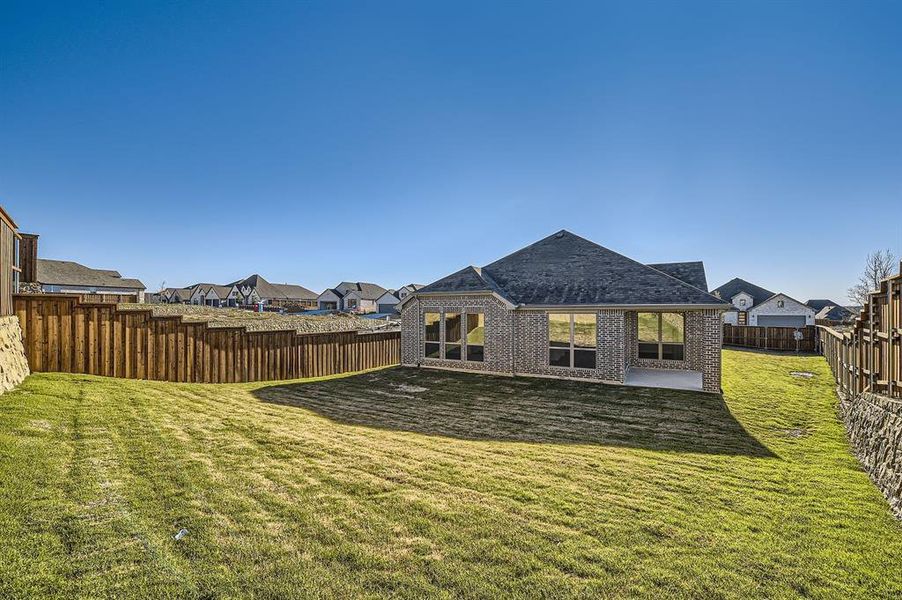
point(560, 234)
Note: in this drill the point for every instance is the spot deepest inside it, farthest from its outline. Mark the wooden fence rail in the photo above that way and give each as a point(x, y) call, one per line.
point(64, 334)
point(868, 356)
point(770, 338)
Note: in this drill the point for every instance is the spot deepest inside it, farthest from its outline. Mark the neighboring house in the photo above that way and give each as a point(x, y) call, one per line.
point(781, 310)
point(330, 299)
point(742, 296)
point(755, 306)
point(211, 294)
point(566, 307)
point(389, 301)
point(176, 295)
point(351, 296)
point(828, 310)
point(256, 289)
point(407, 290)
point(245, 292)
point(64, 276)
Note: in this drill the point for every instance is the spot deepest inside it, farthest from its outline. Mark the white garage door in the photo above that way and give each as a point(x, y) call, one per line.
point(781, 320)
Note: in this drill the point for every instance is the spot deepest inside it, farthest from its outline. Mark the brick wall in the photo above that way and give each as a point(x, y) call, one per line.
point(704, 335)
point(498, 318)
point(528, 330)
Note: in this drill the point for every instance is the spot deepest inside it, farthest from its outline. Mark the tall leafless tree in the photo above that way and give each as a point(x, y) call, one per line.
point(879, 265)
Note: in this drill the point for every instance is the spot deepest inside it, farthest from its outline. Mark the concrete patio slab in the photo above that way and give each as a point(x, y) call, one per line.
point(676, 379)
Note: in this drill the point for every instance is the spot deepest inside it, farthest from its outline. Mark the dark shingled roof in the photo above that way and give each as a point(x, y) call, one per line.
point(64, 272)
point(276, 291)
point(830, 310)
point(565, 269)
point(692, 273)
point(367, 291)
point(819, 304)
point(835, 313)
point(465, 280)
point(736, 285)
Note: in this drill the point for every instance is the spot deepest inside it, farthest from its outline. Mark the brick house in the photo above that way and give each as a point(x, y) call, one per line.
point(756, 306)
point(566, 307)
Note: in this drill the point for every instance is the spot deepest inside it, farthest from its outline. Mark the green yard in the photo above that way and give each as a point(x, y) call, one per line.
point(418, 483)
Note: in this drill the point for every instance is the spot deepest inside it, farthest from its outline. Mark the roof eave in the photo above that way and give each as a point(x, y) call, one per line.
point(413, 295)
point(576, 307)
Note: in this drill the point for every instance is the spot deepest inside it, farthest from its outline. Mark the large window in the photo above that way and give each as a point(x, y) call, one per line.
point(661, 336)
point(452, 336)
point(475, 337)
point(433, 322)
point(464, 336)
point(572, 340)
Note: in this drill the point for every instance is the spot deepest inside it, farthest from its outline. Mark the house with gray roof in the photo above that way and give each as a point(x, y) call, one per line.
point(173, 295)
point(566, 307)
point(352, 296)
point(830, 311)
point(390, 301)
point(756, 306)
point(64, 276)
point(255, 289)
point(211, 294)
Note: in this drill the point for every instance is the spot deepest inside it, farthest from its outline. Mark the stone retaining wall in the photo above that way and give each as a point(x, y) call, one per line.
point(874, 424)
point(13, 366)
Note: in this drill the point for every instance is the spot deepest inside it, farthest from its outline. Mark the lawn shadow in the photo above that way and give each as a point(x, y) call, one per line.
point(485, 407)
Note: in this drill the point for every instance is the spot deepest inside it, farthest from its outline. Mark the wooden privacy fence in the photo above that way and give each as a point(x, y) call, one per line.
point(64, 334)
point(868, 356)
point(771, 338)
point(109, 298)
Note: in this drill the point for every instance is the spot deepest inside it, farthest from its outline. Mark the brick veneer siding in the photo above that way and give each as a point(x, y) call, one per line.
point(531, 347)
point(497, 349)
point(704, 337)
point(528, 331)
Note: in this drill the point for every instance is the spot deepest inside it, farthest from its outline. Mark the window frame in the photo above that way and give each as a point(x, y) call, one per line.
point(660, 343)
point(426, 341)
point(572, 348)
point(443, 343)
point(465, 332)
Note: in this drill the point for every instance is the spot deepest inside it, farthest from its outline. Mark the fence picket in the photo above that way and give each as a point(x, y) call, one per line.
point(63, 333)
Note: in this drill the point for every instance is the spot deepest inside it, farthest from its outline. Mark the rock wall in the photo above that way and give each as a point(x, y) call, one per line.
point(874, 424)
point(13, 366)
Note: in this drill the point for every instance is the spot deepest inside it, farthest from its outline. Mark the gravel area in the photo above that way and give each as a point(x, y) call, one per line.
point(253, 321)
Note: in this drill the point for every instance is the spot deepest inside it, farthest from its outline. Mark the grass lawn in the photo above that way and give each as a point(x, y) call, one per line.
point(426, 483)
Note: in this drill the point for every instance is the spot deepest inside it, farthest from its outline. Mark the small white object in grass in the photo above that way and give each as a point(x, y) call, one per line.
point(182, 533)
point(804, 374)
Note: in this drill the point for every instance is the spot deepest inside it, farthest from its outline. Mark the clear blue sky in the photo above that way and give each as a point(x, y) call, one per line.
point(396, 142)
